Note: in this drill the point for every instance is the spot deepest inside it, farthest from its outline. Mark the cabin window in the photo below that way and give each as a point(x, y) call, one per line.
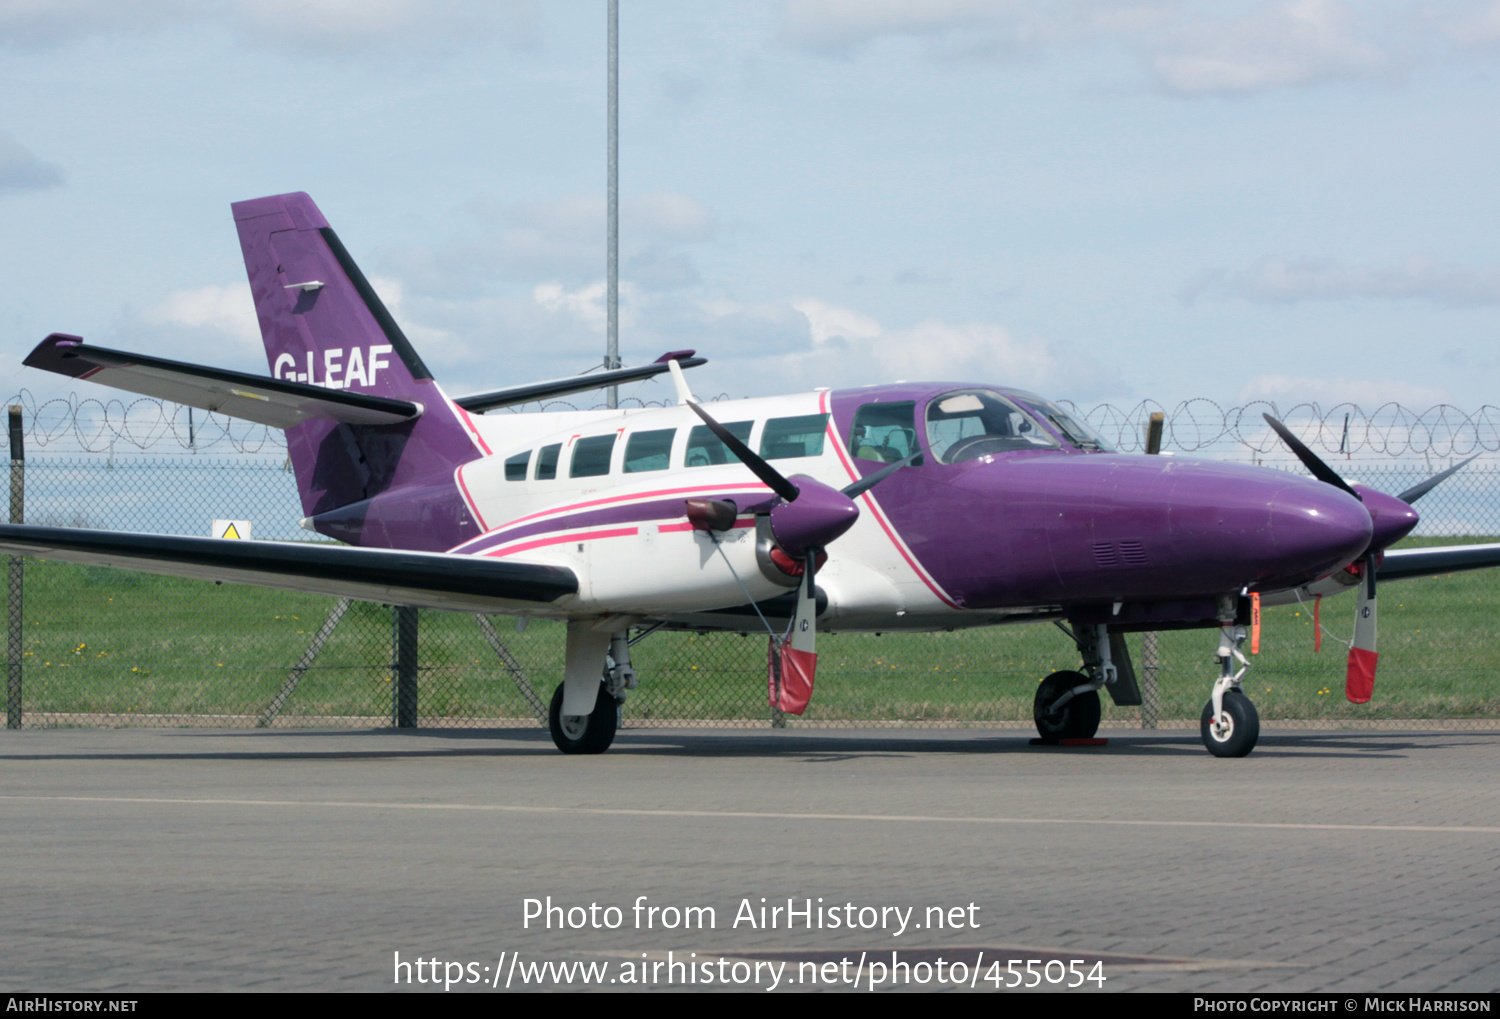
point(546, 462)
point(649, 451)
point(976, 422)
point(705, 450)
point(885, 431)
point(515, 467)
point(591, 456)
point(785, 438)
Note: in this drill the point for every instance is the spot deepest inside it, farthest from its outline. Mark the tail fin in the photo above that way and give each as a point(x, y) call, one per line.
point(323, 324)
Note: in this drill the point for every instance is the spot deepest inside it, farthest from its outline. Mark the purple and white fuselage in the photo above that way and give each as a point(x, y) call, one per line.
point(903, 507)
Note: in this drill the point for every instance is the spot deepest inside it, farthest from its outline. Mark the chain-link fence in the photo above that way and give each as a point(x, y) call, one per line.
point(110, 647)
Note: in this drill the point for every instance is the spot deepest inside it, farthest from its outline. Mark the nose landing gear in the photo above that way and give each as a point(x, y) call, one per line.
point(1230, 725)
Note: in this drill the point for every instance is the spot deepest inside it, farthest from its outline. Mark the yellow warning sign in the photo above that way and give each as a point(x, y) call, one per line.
point(238, 529)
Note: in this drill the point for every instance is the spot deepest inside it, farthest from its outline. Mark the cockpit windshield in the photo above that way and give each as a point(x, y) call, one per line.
point(971, 423)
point(1075, 431)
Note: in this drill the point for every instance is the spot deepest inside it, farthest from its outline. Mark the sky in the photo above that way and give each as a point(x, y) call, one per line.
point(1101, 200)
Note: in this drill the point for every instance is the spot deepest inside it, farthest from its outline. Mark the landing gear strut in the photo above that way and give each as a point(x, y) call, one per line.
point(594, 732)
point(1230, 725)
point(1066, 705)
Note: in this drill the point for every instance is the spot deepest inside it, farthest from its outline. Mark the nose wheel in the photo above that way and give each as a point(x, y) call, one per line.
point(1235, 731)
point(1230, 725)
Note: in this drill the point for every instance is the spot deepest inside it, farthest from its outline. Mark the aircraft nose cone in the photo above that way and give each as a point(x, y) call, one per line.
point(1315, 529)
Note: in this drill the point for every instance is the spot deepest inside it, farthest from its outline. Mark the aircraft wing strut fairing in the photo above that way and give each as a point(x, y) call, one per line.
point(906, 507)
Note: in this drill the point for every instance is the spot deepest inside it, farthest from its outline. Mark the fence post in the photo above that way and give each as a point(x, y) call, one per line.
point(404, 666)
point(1150, 695)
point(13, 653)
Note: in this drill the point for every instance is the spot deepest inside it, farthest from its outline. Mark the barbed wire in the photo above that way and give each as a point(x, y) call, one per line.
point(1390, 430)
point(127, 426)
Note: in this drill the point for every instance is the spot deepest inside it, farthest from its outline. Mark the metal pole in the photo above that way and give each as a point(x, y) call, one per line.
point(404, 667)
point(516, 672)
point(13, 653)
point(304, 663)
point(1150, 695)
point(612, 341)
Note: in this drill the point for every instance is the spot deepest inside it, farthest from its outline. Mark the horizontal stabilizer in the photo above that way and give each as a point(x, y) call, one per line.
point(478, 403)
point(423, 579)
point(1402, 563)
point(258, 398)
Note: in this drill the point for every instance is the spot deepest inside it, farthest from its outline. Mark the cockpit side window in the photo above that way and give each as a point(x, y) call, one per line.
point(884, 431)
point(785, 438)
point(1075, 431)
point(975, 422)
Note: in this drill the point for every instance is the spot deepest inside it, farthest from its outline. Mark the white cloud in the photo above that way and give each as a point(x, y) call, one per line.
point(217, 324)
point(840, 24)
point(1288, 391)
point(663, 216)
point(838, 346)
point(227, 311)
point(562, 239)
point(1192, 49)
point(1293, 280)
point(1293, 42)
point(1474, 28)
point(319, 27)
point(39, 23)
point(829, 321)
point(668, 217)
point(21, 170)
point(588, 304)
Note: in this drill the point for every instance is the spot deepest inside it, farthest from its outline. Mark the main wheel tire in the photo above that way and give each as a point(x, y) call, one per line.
point(1078, 719)
point(584, 734)
point(1242, 732)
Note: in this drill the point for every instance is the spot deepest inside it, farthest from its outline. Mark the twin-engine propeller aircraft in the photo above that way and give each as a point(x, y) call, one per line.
point(927, 506)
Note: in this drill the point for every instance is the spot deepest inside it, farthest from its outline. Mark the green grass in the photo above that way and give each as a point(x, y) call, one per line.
point(103, 642)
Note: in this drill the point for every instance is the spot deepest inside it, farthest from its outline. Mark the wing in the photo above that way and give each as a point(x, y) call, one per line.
point(424, 579)
point(1402, 563)
point(275, 402)
point(478, 403)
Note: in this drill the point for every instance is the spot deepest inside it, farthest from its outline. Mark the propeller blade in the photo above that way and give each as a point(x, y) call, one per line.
point(863, 485)
point(1420, 489)
point(1315, 466)
point(793, 662)
point(775, 480)
point(1359, 679)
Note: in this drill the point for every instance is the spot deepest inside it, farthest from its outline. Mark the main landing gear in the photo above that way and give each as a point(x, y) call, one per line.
point(584, 734)
point(1061, 711)
point(1066, 705)
point(594, 732)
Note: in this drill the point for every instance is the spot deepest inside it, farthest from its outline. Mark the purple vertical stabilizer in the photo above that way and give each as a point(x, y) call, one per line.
point(378, 485)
